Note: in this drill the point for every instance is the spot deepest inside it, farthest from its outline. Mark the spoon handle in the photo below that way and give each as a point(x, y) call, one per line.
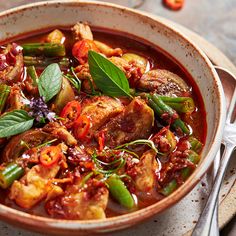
point(204, 223)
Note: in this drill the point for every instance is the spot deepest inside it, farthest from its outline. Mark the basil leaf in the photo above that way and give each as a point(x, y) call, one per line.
point(50, 82)
point(15, 122)
point(107, 76)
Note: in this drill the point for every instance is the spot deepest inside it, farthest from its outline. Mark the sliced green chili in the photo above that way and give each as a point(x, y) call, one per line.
point(119, 192)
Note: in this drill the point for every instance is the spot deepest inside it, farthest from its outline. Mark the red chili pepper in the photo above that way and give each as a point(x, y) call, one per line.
point(70, 113)
point(50, 155)
point(81, 127)
point(81, 48)
point(174, 5)
point(101, 141)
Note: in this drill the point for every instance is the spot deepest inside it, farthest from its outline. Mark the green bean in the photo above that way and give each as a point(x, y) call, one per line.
point(45, 49)
point(119, 192)
point(42, 62)
point(9, 174)
point(179, 104)
point(4, 93)
point(194, 158)
point(196, 145)
point(169, 188)
point(33, 74)
point(160, 108)
point(185, 173)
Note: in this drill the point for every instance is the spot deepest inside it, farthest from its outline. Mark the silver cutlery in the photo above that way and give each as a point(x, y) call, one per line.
point(203, 227)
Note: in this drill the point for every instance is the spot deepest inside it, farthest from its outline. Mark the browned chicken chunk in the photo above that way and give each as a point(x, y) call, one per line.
point(122, 64)
point(82, 31)
point(11, 66)
point(135, 122)
point(146, 169)
point(108, 51)
point(84, 202)
point(33, 186)
point(61, 133)
point(163, 82)
point(100, 110)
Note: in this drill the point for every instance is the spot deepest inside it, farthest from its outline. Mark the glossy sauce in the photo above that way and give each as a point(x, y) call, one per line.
point(157, 59)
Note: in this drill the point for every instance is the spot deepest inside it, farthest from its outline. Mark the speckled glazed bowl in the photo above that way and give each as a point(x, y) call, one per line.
point(157, 31)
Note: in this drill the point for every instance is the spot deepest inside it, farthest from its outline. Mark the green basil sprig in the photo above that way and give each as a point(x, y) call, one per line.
point(15, 122)
point(18, 121)
point(49, 83)
point(107, 76)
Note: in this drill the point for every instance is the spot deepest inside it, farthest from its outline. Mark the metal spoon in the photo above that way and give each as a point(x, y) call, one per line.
point(203, 226)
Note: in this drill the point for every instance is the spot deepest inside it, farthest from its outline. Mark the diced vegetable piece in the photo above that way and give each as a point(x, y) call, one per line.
point(196, 145)
point(119, 192)
point(4, 93)
point(9, 174)
point(169, 188)
point(180, 104)
point(65, 95)
point(56, 36)
point(45, 49)
point(160, 108)
point(33, 74)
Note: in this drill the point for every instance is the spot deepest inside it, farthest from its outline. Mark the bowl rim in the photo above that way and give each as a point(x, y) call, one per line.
point(139, 215)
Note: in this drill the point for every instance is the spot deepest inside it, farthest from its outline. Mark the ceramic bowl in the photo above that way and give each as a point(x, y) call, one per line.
point(157, 31)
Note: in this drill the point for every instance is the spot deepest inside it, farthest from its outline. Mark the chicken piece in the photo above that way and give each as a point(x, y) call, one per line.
point(136, 60)
point(82, 71)
point(123, 65)
point(146, 169)
point(108, 51)
point(162, 82)
point(82, 31)
point(81, 202)
point(14, 148)
point(100, 110)
point(61, 133)
point(11, 64)
point(33, 186)
point(15, 99)
point(135, 122)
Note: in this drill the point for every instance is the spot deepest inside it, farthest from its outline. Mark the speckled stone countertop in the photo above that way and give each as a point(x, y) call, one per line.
point(215, 20)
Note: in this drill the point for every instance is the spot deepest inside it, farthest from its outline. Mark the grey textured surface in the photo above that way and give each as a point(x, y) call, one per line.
point(215, 20)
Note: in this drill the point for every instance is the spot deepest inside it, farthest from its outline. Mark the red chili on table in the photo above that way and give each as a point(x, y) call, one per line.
point(81, 127)
point(174, 5)
point(81, 48)
point(50, 155)
point(71, 113)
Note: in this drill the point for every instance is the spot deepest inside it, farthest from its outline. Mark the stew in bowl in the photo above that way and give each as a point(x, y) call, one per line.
point(94, 124)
